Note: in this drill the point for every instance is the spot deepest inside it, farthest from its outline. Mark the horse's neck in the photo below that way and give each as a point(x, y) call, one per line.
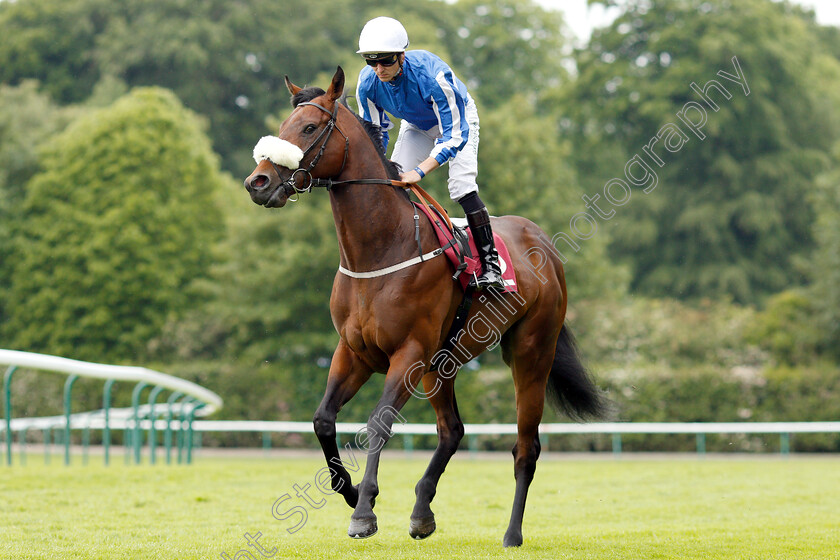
point(374, 222)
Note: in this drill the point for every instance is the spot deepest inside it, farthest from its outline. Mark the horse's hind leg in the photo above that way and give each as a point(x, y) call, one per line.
point(347, 374)
point(531, 365)
point(450, 430)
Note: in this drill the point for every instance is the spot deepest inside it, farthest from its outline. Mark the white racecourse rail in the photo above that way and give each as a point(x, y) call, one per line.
point(196, 401)
point(119, 373)
point(700, 429)
point(558, 428)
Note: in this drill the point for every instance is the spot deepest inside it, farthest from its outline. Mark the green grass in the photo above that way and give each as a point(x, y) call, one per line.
point(762, 507)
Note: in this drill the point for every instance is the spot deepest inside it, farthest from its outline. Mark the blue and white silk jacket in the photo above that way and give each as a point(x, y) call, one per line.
point(427, 93)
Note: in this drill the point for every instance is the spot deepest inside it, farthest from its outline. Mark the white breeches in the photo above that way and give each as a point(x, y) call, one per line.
point(414, 145)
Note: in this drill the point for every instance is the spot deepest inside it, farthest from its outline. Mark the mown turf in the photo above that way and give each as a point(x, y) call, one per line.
point(634, 508)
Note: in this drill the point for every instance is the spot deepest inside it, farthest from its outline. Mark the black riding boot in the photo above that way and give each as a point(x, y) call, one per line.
point(491, 276)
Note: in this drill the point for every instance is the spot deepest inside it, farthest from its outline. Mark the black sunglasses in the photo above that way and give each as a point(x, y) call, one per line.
point(389, 60)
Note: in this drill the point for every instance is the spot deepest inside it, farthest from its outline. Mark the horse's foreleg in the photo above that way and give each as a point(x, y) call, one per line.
point(406, 370)
point(347, 374)
point(450, 430)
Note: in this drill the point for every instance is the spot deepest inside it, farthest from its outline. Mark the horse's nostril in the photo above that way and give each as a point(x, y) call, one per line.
point(259, 182)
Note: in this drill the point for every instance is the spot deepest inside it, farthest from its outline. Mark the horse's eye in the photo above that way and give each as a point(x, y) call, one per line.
point(310, 128)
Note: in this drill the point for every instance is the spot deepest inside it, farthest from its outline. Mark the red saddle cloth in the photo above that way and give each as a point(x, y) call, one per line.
point(445, 236)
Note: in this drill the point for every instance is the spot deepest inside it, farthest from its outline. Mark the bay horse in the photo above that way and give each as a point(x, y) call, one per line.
point(395, 321)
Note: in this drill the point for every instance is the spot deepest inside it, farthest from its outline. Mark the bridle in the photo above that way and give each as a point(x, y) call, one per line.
point(290, 189)
point(289, 184)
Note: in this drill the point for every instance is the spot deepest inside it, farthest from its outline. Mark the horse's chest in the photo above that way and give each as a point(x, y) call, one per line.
point(364, 326)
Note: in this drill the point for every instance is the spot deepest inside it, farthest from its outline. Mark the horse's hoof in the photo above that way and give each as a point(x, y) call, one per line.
point(512, 539)
point(422, 528)
point(362, 528)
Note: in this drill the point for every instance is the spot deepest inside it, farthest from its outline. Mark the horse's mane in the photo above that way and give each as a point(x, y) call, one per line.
point(374, 132)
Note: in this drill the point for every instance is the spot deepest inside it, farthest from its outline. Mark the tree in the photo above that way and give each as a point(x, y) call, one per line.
point(115, 227)
point(825, 266)
point(505, 48)
point(525, 170)
point(723, 209)
point(268, 297)
point(224, 60)
point(27, 119)
point(53, 42)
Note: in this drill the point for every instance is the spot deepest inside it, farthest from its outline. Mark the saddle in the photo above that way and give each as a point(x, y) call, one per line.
point(457, 243)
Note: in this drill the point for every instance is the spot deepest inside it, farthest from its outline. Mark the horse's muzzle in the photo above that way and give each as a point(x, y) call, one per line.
point(257, 182)
point(264, 193)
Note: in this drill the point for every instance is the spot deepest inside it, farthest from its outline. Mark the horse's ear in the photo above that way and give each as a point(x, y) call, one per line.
point(293, 89)
point(337, 86)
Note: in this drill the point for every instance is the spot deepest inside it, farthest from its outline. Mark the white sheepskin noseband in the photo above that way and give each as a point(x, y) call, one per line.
point(279, 151)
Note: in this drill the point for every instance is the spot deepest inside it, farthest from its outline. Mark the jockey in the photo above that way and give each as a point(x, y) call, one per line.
point(439, 124)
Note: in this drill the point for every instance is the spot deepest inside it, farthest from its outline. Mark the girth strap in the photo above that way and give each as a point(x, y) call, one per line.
point(458, 323)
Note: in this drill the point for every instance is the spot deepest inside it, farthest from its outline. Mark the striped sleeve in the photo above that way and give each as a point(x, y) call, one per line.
point(450, 109)
point(370, 111)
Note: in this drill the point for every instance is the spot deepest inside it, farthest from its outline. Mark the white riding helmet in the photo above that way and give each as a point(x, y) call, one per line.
point(382, 35)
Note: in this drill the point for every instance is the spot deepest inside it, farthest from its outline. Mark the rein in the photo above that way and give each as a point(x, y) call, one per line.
point(291, 189)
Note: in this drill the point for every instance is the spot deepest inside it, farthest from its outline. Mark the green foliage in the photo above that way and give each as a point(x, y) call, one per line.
point(638, 332)
point(27, 118)
point(704, 394)
point(801, 326)
point(54, 42)
point(267, 298)
point(825, 266)
point(730, 214)
point(113, 230)
point(505, 48)
point(227, 60)
point(786, 328)
point(523, 171)
point(224, 60)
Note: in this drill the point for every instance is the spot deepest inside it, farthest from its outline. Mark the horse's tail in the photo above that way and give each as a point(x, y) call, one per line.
point(570, 387)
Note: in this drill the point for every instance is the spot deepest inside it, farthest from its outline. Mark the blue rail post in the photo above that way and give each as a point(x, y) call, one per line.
point(152, 417)
point(167, 436)
point(7, 405)
point(136, 439)
point(106, 407)
point(68, 388)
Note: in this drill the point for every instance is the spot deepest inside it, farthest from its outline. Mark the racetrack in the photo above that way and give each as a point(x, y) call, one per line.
point(636, 507)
